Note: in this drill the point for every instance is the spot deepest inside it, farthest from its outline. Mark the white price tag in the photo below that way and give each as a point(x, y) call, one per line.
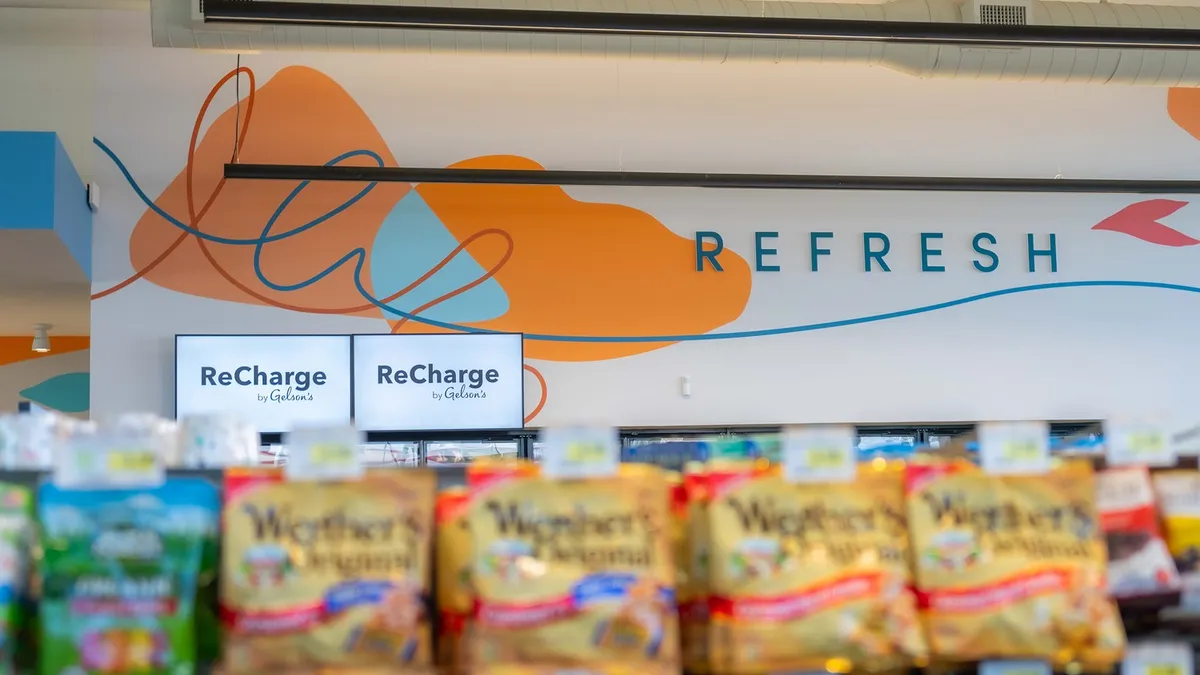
point(1014, 668)
point(820, 454)
point(108, 460)
point(1137, 442)
point(217, 441)
point(1158, 658)
point(1014, 448)
point(580, 452)
point(324, 453)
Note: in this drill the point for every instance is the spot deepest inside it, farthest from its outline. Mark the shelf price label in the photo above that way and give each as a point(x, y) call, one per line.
point(130, 461)
point(1163, 669)
point(108, 460)
point(1137, 442)
point(1158, 658)
point(580, 452)
point(820, 454)
point(1014, 448)
point(324, 454)
point(1014, 668)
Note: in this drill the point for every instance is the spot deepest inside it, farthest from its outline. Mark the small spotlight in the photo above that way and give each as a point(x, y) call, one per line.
point(41, 338)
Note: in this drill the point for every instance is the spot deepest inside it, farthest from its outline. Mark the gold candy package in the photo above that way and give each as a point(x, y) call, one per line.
point(610, 669)
point(809, 577)
point(572, 573)
point(1011, 566)
point(327, 575)
point(692, 581)
point(453, 576)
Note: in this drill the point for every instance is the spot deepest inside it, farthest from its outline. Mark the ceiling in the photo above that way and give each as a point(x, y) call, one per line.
point(41, 283)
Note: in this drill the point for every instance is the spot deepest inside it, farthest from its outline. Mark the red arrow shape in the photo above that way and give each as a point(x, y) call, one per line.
point(1140, 220)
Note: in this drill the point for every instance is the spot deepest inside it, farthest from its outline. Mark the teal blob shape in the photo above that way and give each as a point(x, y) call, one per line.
point(65, 393)
point(410, 242)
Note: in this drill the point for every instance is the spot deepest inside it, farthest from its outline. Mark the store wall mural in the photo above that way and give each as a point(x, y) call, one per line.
point(587, 280)
point(57, 380)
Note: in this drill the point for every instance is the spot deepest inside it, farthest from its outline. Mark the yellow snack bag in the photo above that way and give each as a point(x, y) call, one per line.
point(611, 669)
point(572, 573)
point(452, 577)
point(677, 496)
point(809, 576)
point(1011, 566)
point(692, 590)
point(328, 576)
point(1178, 495)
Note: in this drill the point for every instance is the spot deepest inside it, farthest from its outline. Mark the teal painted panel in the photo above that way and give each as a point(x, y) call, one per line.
point(65, 393)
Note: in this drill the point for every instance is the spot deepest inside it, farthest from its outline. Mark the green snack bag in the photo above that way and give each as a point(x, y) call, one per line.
point(16, 534)
point(120, 573)
point(208, 624)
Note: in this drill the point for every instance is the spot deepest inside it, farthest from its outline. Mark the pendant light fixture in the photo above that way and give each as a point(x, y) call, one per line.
point(41, 338)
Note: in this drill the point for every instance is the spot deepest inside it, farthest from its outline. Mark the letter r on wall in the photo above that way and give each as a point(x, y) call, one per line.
point(710, 255)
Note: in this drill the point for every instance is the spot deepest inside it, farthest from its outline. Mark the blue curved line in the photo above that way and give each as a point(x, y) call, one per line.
point(360, 254)
point(227, 240)
point(258, 248)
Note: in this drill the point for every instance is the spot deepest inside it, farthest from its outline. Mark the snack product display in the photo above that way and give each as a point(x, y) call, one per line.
point(572, 573)
point(692, 583)
point(453, 576)
point(331, 575)
point(1139, 563)
point(16, 532)
point(1011, 566)
point(1178, 495)
point(119, 577)
point(919, 562)
point(809, 576)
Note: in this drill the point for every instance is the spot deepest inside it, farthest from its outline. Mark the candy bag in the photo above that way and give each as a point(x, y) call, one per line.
point(1139, 564)
point(693, 590)
point(1011, 566)
point(809, 577)
point(330, 575)
point(572, 573)
point(119, 572)
point(16, 532)
point(453, 577)
point(1179, 502)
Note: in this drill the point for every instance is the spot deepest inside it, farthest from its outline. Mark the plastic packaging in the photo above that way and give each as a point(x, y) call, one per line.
point(1011, 566)
point(809, 577)
point(572, 573)
point(119, 575)
point(328, 575)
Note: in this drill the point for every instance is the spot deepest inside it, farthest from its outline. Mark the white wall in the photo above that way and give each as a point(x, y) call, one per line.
point(48, 69)
point(1063, 353)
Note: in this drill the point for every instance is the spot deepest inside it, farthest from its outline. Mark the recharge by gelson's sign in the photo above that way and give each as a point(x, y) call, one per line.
point(439, 382)
point(271, 381)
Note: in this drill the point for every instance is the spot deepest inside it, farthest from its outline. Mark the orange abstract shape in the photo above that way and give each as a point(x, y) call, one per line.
point(579, 268)
point(1183, 105)
point(300, 116)
point(17, 348)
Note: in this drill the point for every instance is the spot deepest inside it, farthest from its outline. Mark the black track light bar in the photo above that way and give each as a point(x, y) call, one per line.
point(691, 25)
point(731, 181)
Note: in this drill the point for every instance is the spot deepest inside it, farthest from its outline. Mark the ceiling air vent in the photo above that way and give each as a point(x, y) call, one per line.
point(1010, 13)
point(1004, 15)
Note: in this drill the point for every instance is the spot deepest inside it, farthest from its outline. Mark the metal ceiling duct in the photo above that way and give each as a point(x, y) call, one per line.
point(181, 23)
